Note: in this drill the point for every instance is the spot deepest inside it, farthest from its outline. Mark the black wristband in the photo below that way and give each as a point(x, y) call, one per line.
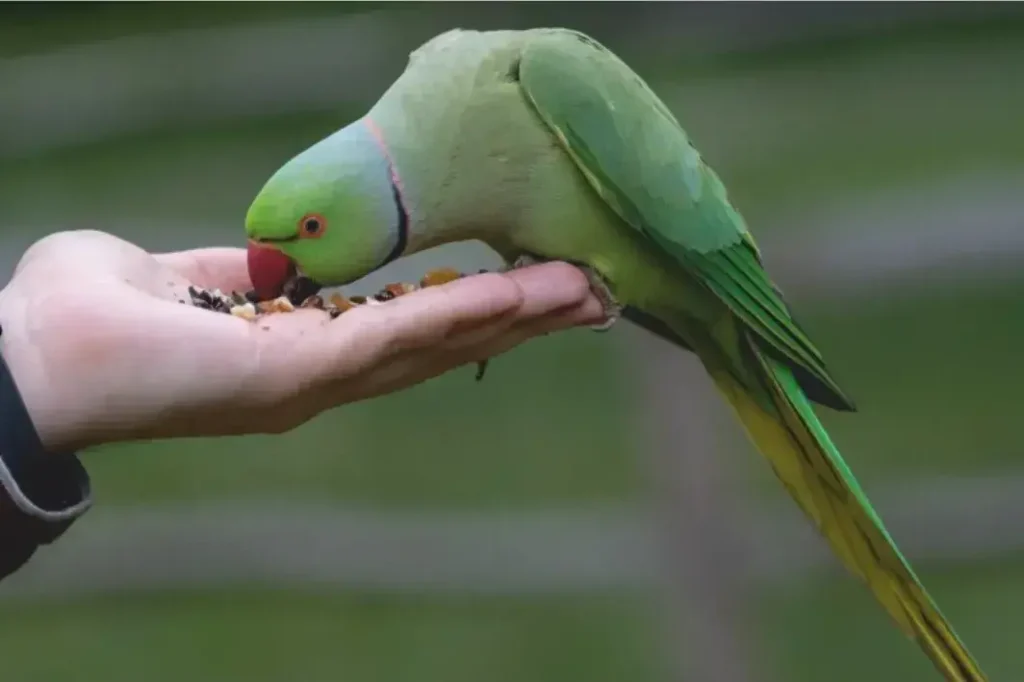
point(41, 493)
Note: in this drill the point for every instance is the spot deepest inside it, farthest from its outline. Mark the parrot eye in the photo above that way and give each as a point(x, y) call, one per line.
point(312, 225)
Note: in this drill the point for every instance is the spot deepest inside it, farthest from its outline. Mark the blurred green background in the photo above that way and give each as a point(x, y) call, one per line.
point(876, 151)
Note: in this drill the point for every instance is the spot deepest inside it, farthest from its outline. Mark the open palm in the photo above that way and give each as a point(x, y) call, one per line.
point(103, 350)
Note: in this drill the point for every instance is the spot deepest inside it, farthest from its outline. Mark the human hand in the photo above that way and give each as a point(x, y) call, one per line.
point(102, 350)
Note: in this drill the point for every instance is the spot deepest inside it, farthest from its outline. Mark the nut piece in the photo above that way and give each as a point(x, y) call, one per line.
point(246, 311)
point(340, 303)
point(302, 292)
point(440, 276)
point(278, 305)
point(399, 289)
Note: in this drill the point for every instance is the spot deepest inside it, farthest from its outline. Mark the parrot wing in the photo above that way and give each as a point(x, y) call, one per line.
point(638, 158)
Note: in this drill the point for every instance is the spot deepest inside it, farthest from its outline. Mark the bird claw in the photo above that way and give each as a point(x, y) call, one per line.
point(524, 260)
point(612, 308)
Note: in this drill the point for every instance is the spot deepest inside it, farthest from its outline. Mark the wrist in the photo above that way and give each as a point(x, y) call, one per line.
point(37, 373)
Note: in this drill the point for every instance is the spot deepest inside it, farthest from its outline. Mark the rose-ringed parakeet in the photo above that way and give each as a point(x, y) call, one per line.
point(546, 146)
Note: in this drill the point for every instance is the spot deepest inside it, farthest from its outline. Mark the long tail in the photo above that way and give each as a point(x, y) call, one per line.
point(785, 429)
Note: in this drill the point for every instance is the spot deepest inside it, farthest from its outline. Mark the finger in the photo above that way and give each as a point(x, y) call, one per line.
point(430, 316)
point(369, 335)
point(409, 369)
point(589, 312)
point(514, 336)
point(80, 251)
point(223, 268)
point(305, 350)
point(549, 286)
point(544, 289)
point(545, 298)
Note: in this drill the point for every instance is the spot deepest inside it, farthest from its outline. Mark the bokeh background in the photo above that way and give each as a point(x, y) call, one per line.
point(590, 511)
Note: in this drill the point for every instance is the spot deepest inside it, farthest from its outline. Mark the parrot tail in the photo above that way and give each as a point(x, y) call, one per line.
point(785, 429)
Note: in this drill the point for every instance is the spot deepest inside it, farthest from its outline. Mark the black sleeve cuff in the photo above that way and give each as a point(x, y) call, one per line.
point(41, 493)
point(38, 505)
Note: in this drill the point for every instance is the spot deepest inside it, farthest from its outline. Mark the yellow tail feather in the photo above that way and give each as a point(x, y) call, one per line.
point(811, 469)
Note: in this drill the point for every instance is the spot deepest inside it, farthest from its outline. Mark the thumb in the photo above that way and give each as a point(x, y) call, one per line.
point(223, 268)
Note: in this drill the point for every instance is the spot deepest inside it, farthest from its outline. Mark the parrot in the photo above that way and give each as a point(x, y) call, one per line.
point(545, 146)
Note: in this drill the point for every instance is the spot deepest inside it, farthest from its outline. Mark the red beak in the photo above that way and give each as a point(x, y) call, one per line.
point(269, 270)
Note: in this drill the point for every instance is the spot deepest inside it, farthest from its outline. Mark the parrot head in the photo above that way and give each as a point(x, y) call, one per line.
point(331, 213)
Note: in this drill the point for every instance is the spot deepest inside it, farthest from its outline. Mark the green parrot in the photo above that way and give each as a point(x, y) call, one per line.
point(544, 145)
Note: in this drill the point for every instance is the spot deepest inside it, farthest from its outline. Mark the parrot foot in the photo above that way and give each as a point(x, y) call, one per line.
point(612, 308)
point(524, 260)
